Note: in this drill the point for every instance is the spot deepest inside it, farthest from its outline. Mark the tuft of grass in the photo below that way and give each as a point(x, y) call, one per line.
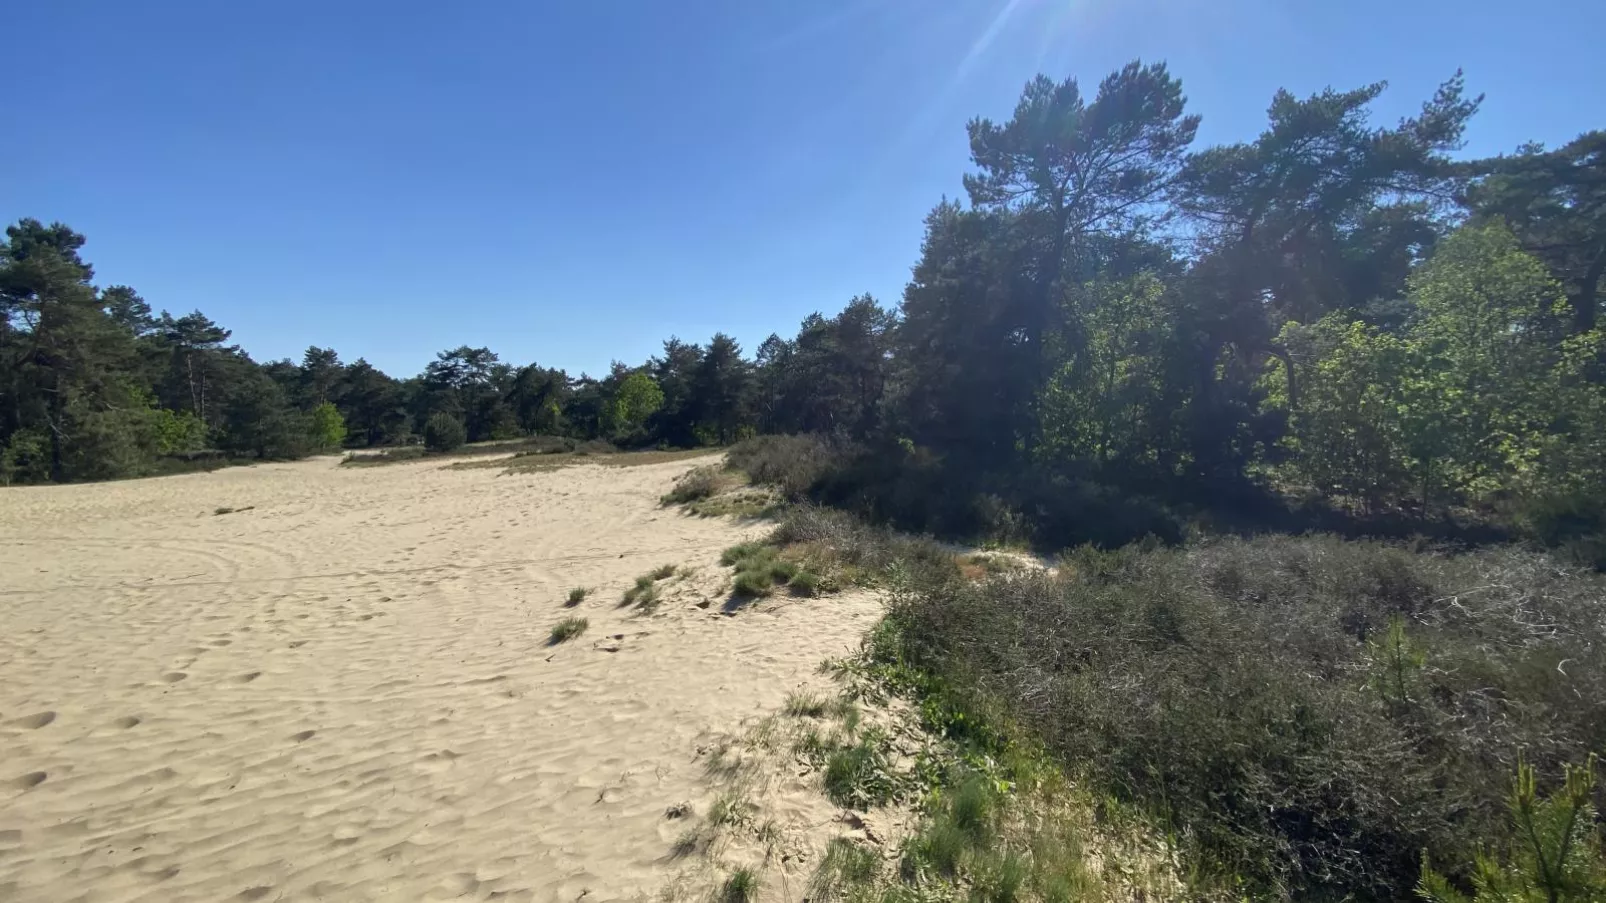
point(663, 572)
point(846, 867)
point(737, 554)
point(751, 584)
point(644, 593)
point(740, 887)
point(567, 629)
point(576, 596)
point(732, 808)
point(806, 705)
point(805, 583)
point(938, 848)
point(221, 511)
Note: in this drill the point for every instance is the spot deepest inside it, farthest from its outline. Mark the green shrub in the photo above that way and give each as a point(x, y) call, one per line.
point(792, 464)
point(1312, 713)
point(326, 429)
point(805, 583)
point(860, 776)
point(444, 433)
point(1555, 853)
point(567, 629)
point(694, 485)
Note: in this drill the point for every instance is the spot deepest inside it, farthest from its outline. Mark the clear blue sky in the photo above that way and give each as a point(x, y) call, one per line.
point(570, 181)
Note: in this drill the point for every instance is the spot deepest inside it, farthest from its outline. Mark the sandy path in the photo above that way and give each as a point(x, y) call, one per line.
point(346, 693)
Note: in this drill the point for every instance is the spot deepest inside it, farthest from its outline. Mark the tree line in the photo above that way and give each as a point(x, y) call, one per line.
point(1335, 307)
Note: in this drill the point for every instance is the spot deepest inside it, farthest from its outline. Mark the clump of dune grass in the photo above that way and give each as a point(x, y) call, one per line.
point(576, 596)
point(664, 572)
point(806, 705)
point(567, 629)
point(740, 887)
point(847, 866)
point(644, 592)
point(760, 569)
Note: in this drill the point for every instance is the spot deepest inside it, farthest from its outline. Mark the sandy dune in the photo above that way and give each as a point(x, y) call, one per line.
point(346, 692)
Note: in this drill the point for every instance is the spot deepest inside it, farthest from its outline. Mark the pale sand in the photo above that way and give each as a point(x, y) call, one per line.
point(347, 692)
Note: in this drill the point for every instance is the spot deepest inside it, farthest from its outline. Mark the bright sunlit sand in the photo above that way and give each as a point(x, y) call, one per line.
point(347, 692)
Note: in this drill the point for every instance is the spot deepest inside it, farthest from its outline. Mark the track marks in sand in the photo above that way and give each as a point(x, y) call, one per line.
point(272, 717)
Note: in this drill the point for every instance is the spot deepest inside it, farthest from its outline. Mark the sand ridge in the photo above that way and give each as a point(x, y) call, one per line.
point(347, 692)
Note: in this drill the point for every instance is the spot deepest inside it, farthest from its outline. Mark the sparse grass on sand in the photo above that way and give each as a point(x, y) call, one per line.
point(567, 629)
point(645, 592)
point(540, 462)
point(576, 596)
point(740, 887)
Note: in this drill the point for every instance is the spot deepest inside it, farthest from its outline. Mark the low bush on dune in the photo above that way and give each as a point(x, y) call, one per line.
point(1310, 715)
point(694, 486)
point(792, 464)
point(913, 490)
point(444, 433)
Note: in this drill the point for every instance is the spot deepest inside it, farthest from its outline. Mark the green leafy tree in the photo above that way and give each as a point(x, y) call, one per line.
point(259, 420)
point(444, 433)
point(177, 432)
point(1353, 434)
point(636, 398)
point(326, 429)
point(1555, 202)
point(1489, 321)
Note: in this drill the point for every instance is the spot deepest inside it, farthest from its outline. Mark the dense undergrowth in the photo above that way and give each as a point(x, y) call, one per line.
point(914, 490)
point(1300, 717)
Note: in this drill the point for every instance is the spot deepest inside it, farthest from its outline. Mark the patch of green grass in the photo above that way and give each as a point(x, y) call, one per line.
point(937, 849)
point(861, 776)
point(567, 629)
point(644, 593)
point(740, 887)
point(760, 568)
point(576, 596)
point(744, 503)
point(664, 572)
point(751, 584)
point(806, 583)
point(845, 867)
point(737, 554)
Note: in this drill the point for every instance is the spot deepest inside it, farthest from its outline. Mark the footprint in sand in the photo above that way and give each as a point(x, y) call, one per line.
point(126, 722)
point(247, 677)
point(174, 677)
point(35, 722)
point(303, 736)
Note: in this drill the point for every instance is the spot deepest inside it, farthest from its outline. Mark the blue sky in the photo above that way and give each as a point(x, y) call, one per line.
point(571, 182)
